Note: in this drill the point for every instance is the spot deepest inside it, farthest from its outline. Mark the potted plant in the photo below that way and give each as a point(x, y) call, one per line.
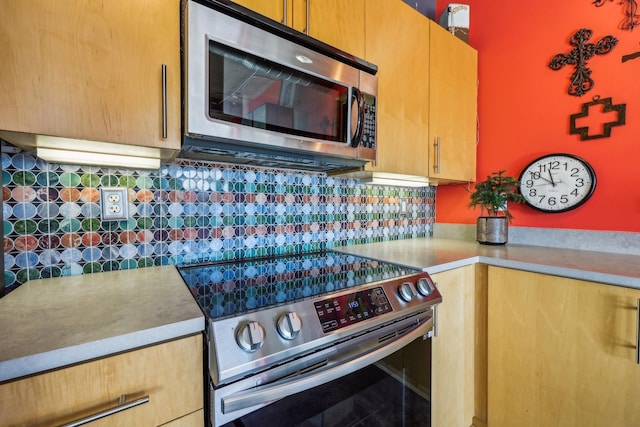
point(493, 195)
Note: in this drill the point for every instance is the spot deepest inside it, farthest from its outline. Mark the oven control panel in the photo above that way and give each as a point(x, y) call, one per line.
point(344, 310)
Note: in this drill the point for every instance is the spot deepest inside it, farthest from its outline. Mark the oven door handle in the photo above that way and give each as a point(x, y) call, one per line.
point(337, 368)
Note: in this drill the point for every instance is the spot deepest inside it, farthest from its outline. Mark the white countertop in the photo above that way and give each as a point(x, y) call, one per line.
point(50, 323)
point(437, 254)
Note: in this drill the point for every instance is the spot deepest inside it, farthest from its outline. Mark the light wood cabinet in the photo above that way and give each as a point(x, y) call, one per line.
point(91, 70)
point(278, 10)
point(170, 374)
point(194, 419)
point(453, 106)
point(427, 87)
point(561, 352)
point(453, 349)
point(450, 367)
point(338, 23)
point(397, 41)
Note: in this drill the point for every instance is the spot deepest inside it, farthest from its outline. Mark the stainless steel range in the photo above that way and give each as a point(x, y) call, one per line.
point(279, 326)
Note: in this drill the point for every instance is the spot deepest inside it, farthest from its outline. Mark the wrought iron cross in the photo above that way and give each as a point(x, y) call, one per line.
point(630, 10)
point(581, 81)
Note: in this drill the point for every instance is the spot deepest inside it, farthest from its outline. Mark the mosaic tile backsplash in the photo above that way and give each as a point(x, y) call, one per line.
point(188, 212)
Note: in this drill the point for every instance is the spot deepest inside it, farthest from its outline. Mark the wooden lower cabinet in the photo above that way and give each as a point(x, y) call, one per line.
point(561, 352)
point(170, 374)
point(451, 367)
point(194, 419)
point(453, 349)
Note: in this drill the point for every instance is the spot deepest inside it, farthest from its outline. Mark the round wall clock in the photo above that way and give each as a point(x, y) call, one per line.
point(557, 182)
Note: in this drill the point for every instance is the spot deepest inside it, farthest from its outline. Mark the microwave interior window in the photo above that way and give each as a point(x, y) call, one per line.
point(253, 91)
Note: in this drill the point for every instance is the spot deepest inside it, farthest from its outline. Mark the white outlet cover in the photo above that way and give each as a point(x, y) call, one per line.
point(114, 203)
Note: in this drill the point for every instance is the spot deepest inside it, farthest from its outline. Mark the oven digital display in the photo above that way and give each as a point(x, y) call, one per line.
point(344, 310)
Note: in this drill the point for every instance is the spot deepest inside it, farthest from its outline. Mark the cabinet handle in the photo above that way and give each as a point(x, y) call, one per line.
point(164, 101)
point(435, 321)
point(122, 406)
point(284, 12)
point(436, 151)
point(306, 30)
point(638, 332)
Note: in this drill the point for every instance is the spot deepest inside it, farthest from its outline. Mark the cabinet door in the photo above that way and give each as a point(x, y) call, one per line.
point(194, 419)
point(170, 374)
point(339, 23)
point(453, 107)
point(91, 69)
point(397, 40)
point(561, 352)
point(273, 9)
point(452, 390)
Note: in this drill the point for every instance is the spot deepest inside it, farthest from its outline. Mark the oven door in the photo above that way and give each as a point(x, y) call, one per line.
point(380, 381)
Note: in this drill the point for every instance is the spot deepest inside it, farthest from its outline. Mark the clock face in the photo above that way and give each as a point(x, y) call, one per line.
point(557, 182)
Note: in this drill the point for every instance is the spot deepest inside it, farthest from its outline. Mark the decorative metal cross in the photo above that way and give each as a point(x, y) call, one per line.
point(607, 106)
point(630, 9)
point(581, 81)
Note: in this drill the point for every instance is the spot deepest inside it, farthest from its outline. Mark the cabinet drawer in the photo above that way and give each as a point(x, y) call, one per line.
point(170, 374)
point(194, 419)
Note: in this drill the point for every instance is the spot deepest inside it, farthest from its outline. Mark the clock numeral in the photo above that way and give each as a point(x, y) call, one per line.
point(564, 199)
point(579, 182)
point(574, 192)
point(542, 198)
point(533, 192)
point(551, 201)
point(575, 172)
point(545, 167)
point(528, 183)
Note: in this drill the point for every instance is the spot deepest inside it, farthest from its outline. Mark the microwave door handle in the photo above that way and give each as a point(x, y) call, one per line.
point(338, 368)
point(357, 136)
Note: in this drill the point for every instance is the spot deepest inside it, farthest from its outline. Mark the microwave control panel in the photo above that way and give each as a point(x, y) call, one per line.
point(369, 130)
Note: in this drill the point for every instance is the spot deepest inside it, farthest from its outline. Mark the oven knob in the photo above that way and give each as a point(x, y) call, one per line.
point(250, 336)
point(406, 291)
point(289, 325)
point(424, 287)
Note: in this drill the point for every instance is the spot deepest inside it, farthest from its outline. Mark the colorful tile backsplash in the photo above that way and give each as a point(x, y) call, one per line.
point(189, 212)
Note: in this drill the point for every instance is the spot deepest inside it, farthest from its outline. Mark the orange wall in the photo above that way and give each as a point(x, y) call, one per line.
point(524, 107)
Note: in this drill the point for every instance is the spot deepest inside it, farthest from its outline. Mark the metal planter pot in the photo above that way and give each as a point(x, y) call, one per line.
point(492, 230)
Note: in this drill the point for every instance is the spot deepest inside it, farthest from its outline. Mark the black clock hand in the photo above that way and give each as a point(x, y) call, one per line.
point(551, 176)
point(542, 177)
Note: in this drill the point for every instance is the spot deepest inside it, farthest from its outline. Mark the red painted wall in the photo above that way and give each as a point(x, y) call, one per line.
point(524, 107)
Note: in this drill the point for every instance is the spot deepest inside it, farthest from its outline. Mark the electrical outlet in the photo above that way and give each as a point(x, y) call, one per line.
point(114, 203)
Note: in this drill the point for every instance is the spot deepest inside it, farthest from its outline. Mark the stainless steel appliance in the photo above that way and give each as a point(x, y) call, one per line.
point(258, 93)
point(281, 326)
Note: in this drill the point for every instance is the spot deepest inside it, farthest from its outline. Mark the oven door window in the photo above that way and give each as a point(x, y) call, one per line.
point(392, 392)
point(253, 91)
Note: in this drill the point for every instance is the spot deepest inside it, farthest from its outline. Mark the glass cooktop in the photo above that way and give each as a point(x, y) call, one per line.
point(226, 289)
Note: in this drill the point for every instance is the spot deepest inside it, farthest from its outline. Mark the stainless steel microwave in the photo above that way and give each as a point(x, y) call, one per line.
point(253, 96)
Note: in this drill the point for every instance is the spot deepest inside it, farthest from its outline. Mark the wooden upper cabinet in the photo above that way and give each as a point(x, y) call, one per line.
point(91, 69)
point(278, 10)
point(339, 23)
point(397, 41)
point(453, 83)
point(427, 95)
